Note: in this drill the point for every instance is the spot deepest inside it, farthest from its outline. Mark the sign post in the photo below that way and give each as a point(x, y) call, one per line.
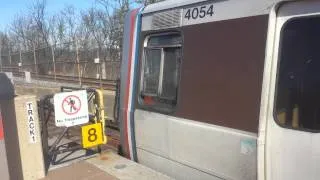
point(71, 108)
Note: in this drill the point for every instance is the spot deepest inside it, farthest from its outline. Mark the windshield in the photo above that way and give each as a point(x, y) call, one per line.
point(298, 86)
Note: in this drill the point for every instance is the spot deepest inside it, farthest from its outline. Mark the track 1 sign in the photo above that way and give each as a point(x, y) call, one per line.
point(71, 108)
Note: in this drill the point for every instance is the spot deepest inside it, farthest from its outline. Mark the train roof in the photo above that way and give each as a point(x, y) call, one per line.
point(229, 5)
point(168, 4)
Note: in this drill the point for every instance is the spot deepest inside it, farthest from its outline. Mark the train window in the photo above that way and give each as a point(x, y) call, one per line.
point(297, 103)
point(161, 65)
point(152, 71)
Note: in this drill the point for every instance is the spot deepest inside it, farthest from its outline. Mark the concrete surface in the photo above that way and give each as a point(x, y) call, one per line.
point(73, 160)
point(107, 166)
point(29, 134)
point(3, 164)
point(79, 171)
point(3, 155)
point(11, 139)
point(123, 168)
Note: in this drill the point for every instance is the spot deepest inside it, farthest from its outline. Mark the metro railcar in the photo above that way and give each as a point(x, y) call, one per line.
point(223, 89)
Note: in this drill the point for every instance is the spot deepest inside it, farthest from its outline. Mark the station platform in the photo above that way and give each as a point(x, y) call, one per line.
point(30, 144)
point(105, 166)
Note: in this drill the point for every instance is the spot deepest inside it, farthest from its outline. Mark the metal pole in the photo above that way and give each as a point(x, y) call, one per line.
point(1, 55)
point(78, 62)
point(97, 63)
point(98, 54)
point(100, 76)
point(35, 59)
point(99, 67)
point(9, 55)
point(20, 59)
point(54, 64)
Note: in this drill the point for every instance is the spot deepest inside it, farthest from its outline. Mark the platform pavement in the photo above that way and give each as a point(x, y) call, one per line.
point(105, 166)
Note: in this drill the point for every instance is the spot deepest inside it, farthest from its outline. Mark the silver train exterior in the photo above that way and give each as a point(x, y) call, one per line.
point(223, 89)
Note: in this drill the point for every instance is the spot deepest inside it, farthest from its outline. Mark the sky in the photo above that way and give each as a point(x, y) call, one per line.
point(9, 8)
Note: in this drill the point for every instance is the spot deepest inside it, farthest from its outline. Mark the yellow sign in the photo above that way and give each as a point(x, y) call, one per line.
point(92, 135)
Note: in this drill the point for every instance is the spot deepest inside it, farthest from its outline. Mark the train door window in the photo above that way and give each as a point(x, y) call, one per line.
point(152, 71)
point(161, 66)
point(297, 102)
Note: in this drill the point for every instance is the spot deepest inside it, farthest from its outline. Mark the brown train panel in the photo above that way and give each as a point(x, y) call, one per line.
point(221, 73)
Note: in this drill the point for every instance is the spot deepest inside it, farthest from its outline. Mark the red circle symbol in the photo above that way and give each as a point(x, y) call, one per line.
point(71, 105)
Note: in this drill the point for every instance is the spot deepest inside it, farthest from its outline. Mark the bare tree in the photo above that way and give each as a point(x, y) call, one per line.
point(24, 33)
point(31, 29)
point(39, 22)
point(115, 24)
point(4, 49)
point(70, 18)
point(97, 29)
point(53, 30)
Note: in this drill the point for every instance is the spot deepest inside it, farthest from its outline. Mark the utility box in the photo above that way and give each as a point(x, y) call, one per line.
point(27, 75)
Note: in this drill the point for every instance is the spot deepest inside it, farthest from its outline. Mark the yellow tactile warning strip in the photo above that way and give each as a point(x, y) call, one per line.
point(79, 171)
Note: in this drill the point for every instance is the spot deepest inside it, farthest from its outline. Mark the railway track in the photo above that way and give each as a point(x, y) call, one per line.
point(91, 82)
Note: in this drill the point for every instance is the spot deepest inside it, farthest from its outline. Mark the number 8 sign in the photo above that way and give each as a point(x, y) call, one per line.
point(92, 135)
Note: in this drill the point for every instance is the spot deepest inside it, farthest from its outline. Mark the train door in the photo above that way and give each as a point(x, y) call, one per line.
point(292, 149)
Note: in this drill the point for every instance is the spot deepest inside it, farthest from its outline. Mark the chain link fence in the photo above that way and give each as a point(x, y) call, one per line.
point(67, 59)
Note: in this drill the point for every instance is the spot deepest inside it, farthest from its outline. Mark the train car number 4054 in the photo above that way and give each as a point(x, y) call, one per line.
point(199, 12)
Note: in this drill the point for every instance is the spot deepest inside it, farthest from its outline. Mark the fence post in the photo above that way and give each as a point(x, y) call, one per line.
point(103, 69)
point(1, 55)
point(9, 56)
point(35, 59)
point(54, 63)
point(78, 62)
point(20, 59)
point(98, 64)
point(98, 52)
point(112, 70)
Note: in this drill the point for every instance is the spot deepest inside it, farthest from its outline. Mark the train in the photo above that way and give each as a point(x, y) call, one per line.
point(222, 89)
